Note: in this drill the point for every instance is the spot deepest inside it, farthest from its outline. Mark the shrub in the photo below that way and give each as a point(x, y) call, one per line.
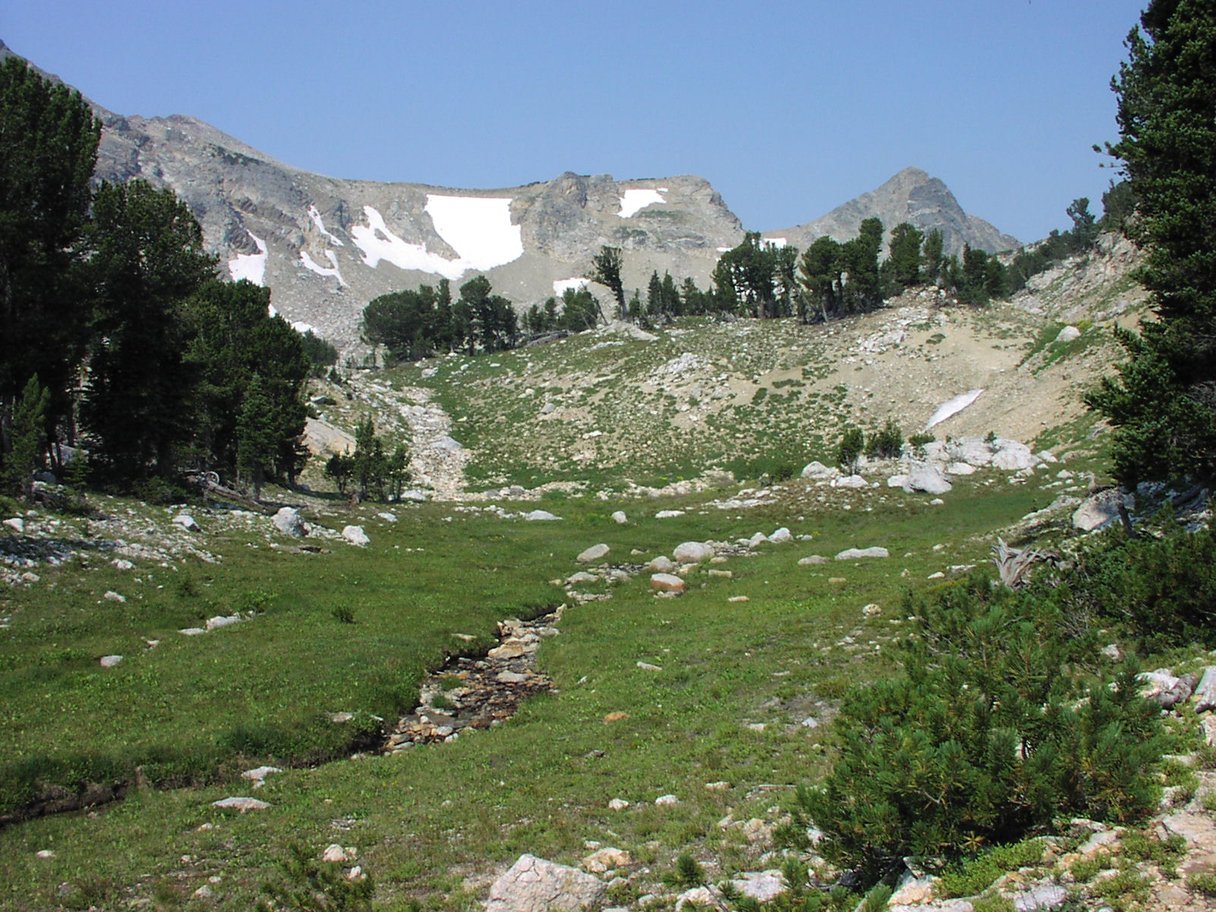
point(852, 444)
point(886, 443)
point(1163, 590)
point(985, 738)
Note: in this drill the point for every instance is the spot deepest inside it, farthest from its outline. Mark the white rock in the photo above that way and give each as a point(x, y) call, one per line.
point(668, 514)
point(649, 666)
point(289, 522)
point(667, 582)
point(607, 859)
point(540, 516)
point(666, 801)
point(757, 539)
point(122, 564)
point(1101, 510)
point(620, 518)
point(45, 853)
point(1067, 334)
point(1205, 692)
point(618, 804)
point(192, 631)
point(926, 478)
point(186, 521)
point(661, 564)
point(336, 854)
point(781, 535)
point(17, 524)
point(762, 886)
point(960, 468)
point(109, 661)
point(850, 481)
point(356, 536)
point(691, 552)
point(388, 517)
point(535, 885)
point(817, 470)
point(258, 775)
point(221, 620)
point(812, 560)
point(1011, 456)
point(858, 553)
point(699, 898)
point(112, 596)
point(241, 804)
point(594, 553)
point(897, 481)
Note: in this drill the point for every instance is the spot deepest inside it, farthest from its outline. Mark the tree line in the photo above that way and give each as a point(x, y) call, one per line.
point(119, 338)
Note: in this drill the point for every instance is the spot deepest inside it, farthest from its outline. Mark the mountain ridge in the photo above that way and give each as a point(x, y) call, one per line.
point(328, 245)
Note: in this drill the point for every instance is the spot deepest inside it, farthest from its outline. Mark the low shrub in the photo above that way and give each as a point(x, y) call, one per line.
point(987, 735)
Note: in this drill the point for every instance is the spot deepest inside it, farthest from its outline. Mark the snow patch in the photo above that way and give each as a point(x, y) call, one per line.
point(775, 243)
point(301, 327)
point(315, 215)
point(953, 406)
point(561, 286)
point(635, 200)
point(249, 266)
point(312, 266)
point(478, 229)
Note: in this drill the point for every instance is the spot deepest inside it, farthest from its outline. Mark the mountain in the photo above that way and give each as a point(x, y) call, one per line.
point(326, 246)
point(910, 196)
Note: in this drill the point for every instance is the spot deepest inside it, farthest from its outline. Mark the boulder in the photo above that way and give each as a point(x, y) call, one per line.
point(607, 859)
point(960, 468)
point(222, 620)
point(356, 536)
point(762, 886)
point(1068, 334)
point(186, 521)
point(667, 582)
point(850, 481)
point(926, 478)
point(241, 804)
point(1205, 693)
point(109, 661)
point(859, 553)
point(661, 564)
point(812, 560)
point(387, 517)
point(1011, 456)
point(535, 885)
point(540, 516)
point(971, 450)
point(17, 524)
point(620, 518)
point(289, 522)
point(691, 552)
point(781, 535)
point(1101, 510)
point(668, 514)
point(594, 553)
point(817, 471)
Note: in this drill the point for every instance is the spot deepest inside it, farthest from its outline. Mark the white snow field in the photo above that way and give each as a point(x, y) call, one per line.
point(479, 229)
point(250, 266)
point(560, 286)
point(953, 407)
point(312, 266)
point(638, 198)
point(315, 215)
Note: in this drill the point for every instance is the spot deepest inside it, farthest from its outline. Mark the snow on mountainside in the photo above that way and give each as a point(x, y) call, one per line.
point(327, 246)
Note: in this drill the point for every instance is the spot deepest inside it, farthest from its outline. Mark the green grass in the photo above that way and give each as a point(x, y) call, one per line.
point(425, 819)
point(974, 875)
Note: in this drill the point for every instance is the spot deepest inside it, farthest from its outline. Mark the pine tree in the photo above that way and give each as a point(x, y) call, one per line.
point(48, 146)
point(256, 437)
point(606, 269)
point(1163, 401)
point(28, 439)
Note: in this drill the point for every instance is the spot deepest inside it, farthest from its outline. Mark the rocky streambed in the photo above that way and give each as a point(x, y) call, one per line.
point(478, 692)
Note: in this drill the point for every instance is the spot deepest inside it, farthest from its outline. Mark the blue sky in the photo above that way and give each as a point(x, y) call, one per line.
point(787, 108)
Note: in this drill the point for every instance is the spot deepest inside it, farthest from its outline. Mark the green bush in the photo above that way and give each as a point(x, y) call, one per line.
point(1163, 590)
point(886, 443)
point(305, 884)
point(852, 445)
point(986, 737)
point(972, 876)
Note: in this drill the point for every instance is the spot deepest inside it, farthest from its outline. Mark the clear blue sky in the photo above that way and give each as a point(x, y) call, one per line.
point(788, 108)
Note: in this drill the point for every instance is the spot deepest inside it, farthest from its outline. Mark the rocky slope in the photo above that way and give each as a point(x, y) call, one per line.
point(327, 246)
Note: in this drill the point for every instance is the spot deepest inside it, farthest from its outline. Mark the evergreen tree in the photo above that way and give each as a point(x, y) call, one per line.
point(28, 439)
point(864, 289)
point(48, 146)
point(606, 269)
point(1163, 401)
point(1084, 225)
point(256, 437)
point(822, 277)
point(143, 257)
point(902, 267)
point(934, 256)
